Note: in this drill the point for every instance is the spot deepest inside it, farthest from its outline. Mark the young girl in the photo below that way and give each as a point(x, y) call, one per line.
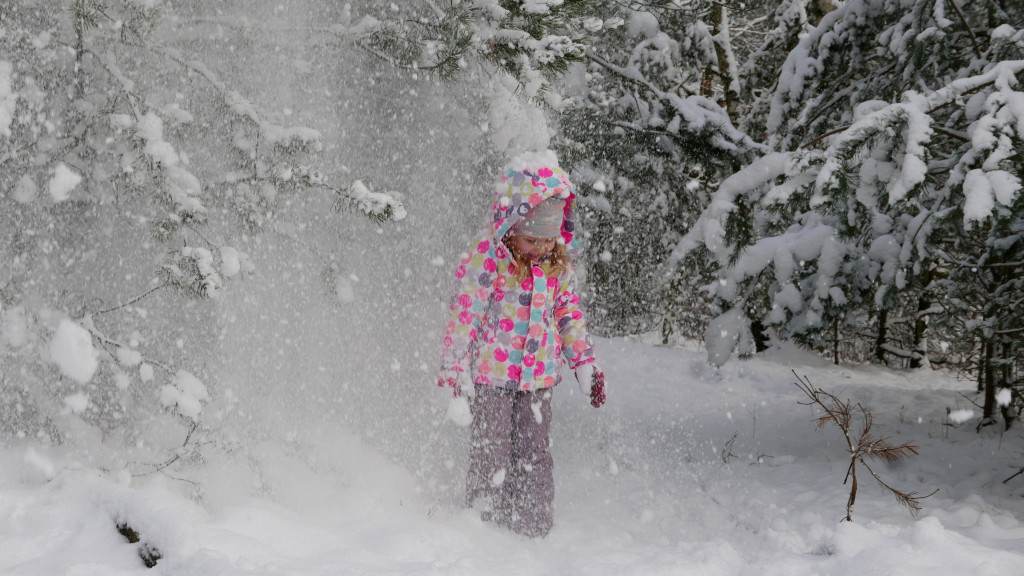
point(515, 319)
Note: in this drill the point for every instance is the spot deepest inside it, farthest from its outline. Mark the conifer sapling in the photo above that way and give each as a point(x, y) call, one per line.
point(863, 445)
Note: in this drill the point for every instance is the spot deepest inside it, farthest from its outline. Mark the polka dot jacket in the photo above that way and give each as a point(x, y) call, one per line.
point(508, 333)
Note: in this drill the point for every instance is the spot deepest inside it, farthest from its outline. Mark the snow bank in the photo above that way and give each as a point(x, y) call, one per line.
point(688, 470)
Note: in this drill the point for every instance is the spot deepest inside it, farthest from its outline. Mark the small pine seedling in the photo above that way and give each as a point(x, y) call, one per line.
point(863, 445)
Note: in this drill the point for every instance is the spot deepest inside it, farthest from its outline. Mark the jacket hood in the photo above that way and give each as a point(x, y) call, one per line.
point(526, 182)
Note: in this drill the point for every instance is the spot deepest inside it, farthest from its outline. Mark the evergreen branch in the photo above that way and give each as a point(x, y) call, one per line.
point(202, 237)
point(385, 57)
point(979, 265)
point(190, 270)
point(126, 84)
point(210, 77)
point(130, 302)
point(963, 19)
point(826, 135)
point(234, 101)
point(402, 43)
point(181, 452)
point(948, 93)
point(378, 207)
point(961, 88)
point(437, 11)
point(623, 73)
point(955, 135)
point(14, 153)
point(103, 339)
point(442, 66)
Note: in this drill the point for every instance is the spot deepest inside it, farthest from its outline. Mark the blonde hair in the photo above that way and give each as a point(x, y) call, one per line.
point(558, 262)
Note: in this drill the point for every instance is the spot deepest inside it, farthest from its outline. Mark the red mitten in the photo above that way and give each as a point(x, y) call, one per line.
point(449, 387)
point(452, 387)
point(597, 390)
point(454, 382)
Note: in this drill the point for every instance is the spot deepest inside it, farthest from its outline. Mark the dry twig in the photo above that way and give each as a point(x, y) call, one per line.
point(863, 445)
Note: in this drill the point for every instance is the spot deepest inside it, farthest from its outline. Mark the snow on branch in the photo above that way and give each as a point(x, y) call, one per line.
point(191, 271)
point(378, 206)
point(184, 394)
point(270, 133)
point(916, 131)
point(691, 114)
point(710, 227)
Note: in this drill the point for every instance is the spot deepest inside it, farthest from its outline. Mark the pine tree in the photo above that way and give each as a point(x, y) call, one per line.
point(534, 42)
point(649, 138)
point(781, 30)
point(872, 125)
point(982, 231)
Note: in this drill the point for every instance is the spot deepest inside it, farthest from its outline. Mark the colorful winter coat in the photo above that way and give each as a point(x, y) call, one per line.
point(507, 333)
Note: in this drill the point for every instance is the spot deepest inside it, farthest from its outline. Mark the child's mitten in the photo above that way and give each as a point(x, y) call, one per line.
point(591, 380)
point(455, 382)
point(597, 390)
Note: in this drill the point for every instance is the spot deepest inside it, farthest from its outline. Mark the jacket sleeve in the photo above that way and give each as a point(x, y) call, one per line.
point(471, 294)
point(577, 347)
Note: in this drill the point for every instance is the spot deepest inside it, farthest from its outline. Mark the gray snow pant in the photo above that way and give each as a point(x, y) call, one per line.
point(511, 477)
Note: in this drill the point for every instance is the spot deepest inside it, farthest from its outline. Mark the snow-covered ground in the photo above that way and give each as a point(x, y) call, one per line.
point(642, 488)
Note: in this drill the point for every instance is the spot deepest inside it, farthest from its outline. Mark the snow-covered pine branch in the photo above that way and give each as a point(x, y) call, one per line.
point(649, 140)
point(804, 238)
point(129, 165)
point(533, 41)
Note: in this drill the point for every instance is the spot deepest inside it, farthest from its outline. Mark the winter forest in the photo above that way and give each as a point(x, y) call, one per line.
point(227, 237)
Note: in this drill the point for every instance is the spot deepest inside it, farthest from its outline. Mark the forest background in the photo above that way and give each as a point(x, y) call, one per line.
point(203, 201)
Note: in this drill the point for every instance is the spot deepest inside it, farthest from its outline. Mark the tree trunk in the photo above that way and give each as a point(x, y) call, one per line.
point(760, 334)
point(989, 409)
point(723, 52)
point(835, 341)
point(1004, 382)
point(79, 49)
point(883, 317)
point(920, 356)
point(1005, 376)
point(707, 88)
point(981, 368)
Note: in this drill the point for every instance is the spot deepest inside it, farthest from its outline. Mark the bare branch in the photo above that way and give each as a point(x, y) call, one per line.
point(974, 39)
point(130, 302)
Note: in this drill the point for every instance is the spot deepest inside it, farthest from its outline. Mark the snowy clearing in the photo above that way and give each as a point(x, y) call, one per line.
point(642, 488)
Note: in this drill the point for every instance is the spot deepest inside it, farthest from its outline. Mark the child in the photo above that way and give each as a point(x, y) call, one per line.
point(514, 312)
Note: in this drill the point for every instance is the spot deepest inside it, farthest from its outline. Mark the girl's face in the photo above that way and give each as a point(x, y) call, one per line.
point(531, 247)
